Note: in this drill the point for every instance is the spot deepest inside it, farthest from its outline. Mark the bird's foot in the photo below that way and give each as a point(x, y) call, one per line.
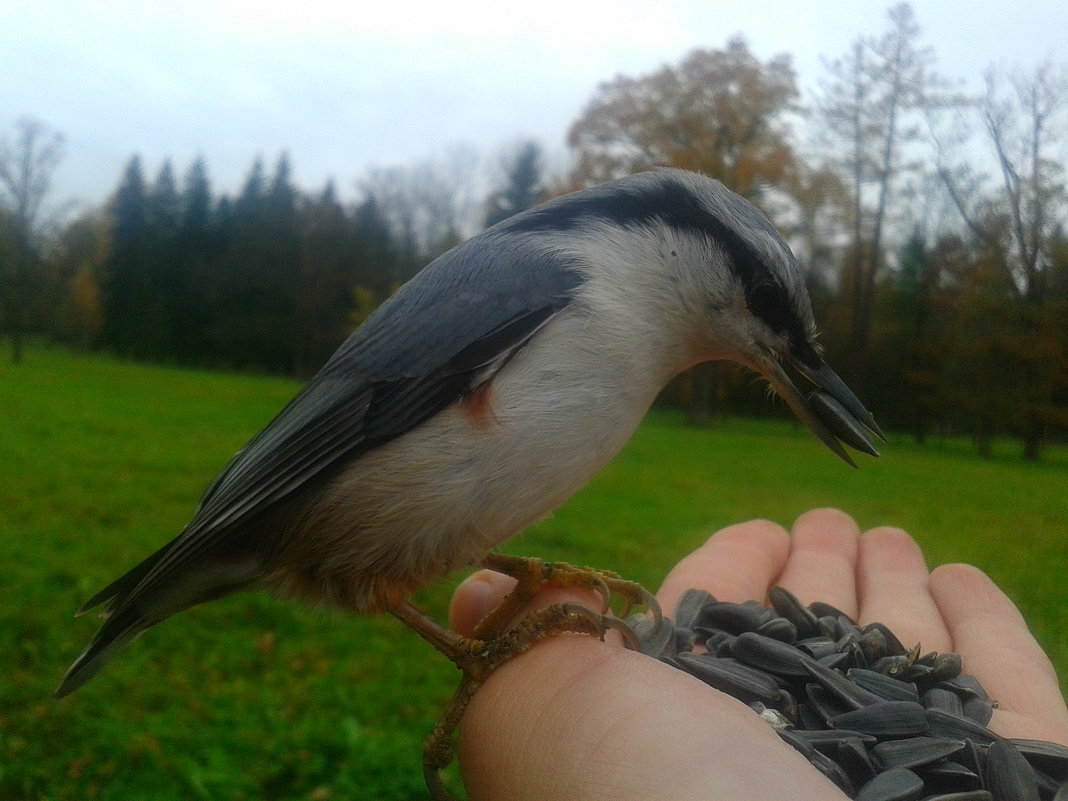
point(477, 658)
point(531, 573)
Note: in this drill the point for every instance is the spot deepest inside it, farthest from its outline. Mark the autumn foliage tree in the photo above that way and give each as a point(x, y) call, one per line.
point(720, 112)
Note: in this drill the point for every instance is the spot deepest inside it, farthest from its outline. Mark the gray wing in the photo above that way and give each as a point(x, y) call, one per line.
point(439, 337)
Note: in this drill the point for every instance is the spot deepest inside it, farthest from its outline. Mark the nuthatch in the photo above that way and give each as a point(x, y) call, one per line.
point(483, 394)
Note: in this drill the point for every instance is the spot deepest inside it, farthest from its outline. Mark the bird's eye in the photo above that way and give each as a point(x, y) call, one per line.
point(768, 302)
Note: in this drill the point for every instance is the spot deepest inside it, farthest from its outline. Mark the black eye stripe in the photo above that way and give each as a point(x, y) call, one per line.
point(767, 301)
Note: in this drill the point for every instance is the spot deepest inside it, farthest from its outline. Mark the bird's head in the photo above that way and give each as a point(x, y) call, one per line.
point(743, 292)
point(757, 308)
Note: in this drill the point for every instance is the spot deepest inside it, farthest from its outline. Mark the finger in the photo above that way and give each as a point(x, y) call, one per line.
point(482, 592)
point(822, 561)
point(991, 635)
point(893, 578)
point(576, 719)
point(735, 564)
point(477, 596)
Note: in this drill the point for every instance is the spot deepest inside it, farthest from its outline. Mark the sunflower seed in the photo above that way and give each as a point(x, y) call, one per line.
point(977, 709)
point(885, 719)
point(882, 685)
point(823, 609)
point(943, 699)
point(950, 777)
point(655, 641)
point(1049, 757)
point(817, 647)
point(828, 740)
point(893, 644)
point(1008, 776)
point(848, 691)
point(841, 423)
point(768, 654)
point(779, 628)
point(690, 605)
point(727, 675)
point(788, 606)
point(732, 618)
point(853, 756)
point(913, 752)
point(896, 784)
point(953, 727)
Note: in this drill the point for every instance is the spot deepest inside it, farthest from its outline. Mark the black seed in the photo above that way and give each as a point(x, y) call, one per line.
point(787, 604)
point(825, 704)
point(952, 727)
point(943, 699)
point(732, 618)
point(848, 691)
point(884, 686)
point(896, 784)
point(891, 665)
point(828, 740)
point(817, 647)
point(946, 666)
point(741, 681)
point(913, 752)
point(768, 654)
point(885, 719)
point(855, 761)
point(873, 645)
point(655, 641)
point(977, 709)
point(1049, 757)
point(828, 626)
point(893, 644)
point(1008, 777)
point(821, 609)
point(950, 777)
point(779, 628)
point(690, 605)
point(833, 771)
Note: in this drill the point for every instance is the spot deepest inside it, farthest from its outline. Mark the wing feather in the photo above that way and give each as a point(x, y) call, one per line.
point(442, 335)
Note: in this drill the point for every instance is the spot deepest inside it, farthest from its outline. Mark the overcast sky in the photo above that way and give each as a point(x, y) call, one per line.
point(344, 86)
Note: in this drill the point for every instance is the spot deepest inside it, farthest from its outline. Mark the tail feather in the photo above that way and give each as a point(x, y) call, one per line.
point(124, 583)
point(119, 631)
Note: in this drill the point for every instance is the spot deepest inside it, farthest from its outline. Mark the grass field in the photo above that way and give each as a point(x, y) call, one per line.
point(247, 698)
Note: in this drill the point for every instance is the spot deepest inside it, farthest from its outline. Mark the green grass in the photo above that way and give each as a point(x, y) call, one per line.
point(247, 698)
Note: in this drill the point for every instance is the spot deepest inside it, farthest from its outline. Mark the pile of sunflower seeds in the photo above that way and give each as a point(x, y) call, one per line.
point(881, 721)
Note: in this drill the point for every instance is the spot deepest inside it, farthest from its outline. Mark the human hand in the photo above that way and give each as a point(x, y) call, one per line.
point(580, 719)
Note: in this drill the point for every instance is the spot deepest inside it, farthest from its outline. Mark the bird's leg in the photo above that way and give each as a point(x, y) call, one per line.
point(530, 573)
point(496, 640)
point(478, 658)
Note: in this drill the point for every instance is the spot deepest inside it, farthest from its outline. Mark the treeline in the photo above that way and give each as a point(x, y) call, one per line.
point(271, 279)
point(929, 224)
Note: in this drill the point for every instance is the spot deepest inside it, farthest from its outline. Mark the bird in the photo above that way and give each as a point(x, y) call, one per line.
point(483, 394)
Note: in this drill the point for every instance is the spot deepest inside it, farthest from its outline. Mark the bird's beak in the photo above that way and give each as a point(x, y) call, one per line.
point(832, 411)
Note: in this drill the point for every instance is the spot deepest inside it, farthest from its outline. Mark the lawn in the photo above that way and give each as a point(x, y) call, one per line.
point(247, 698)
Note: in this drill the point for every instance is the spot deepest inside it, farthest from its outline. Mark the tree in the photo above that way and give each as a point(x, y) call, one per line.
point(720, 112)
point(1017, 222)
point(78, 263)
point(197, 244)
point(428, 206)
point(522, 168)
point(26, 168)
point(867, 111)
point(128, 293)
